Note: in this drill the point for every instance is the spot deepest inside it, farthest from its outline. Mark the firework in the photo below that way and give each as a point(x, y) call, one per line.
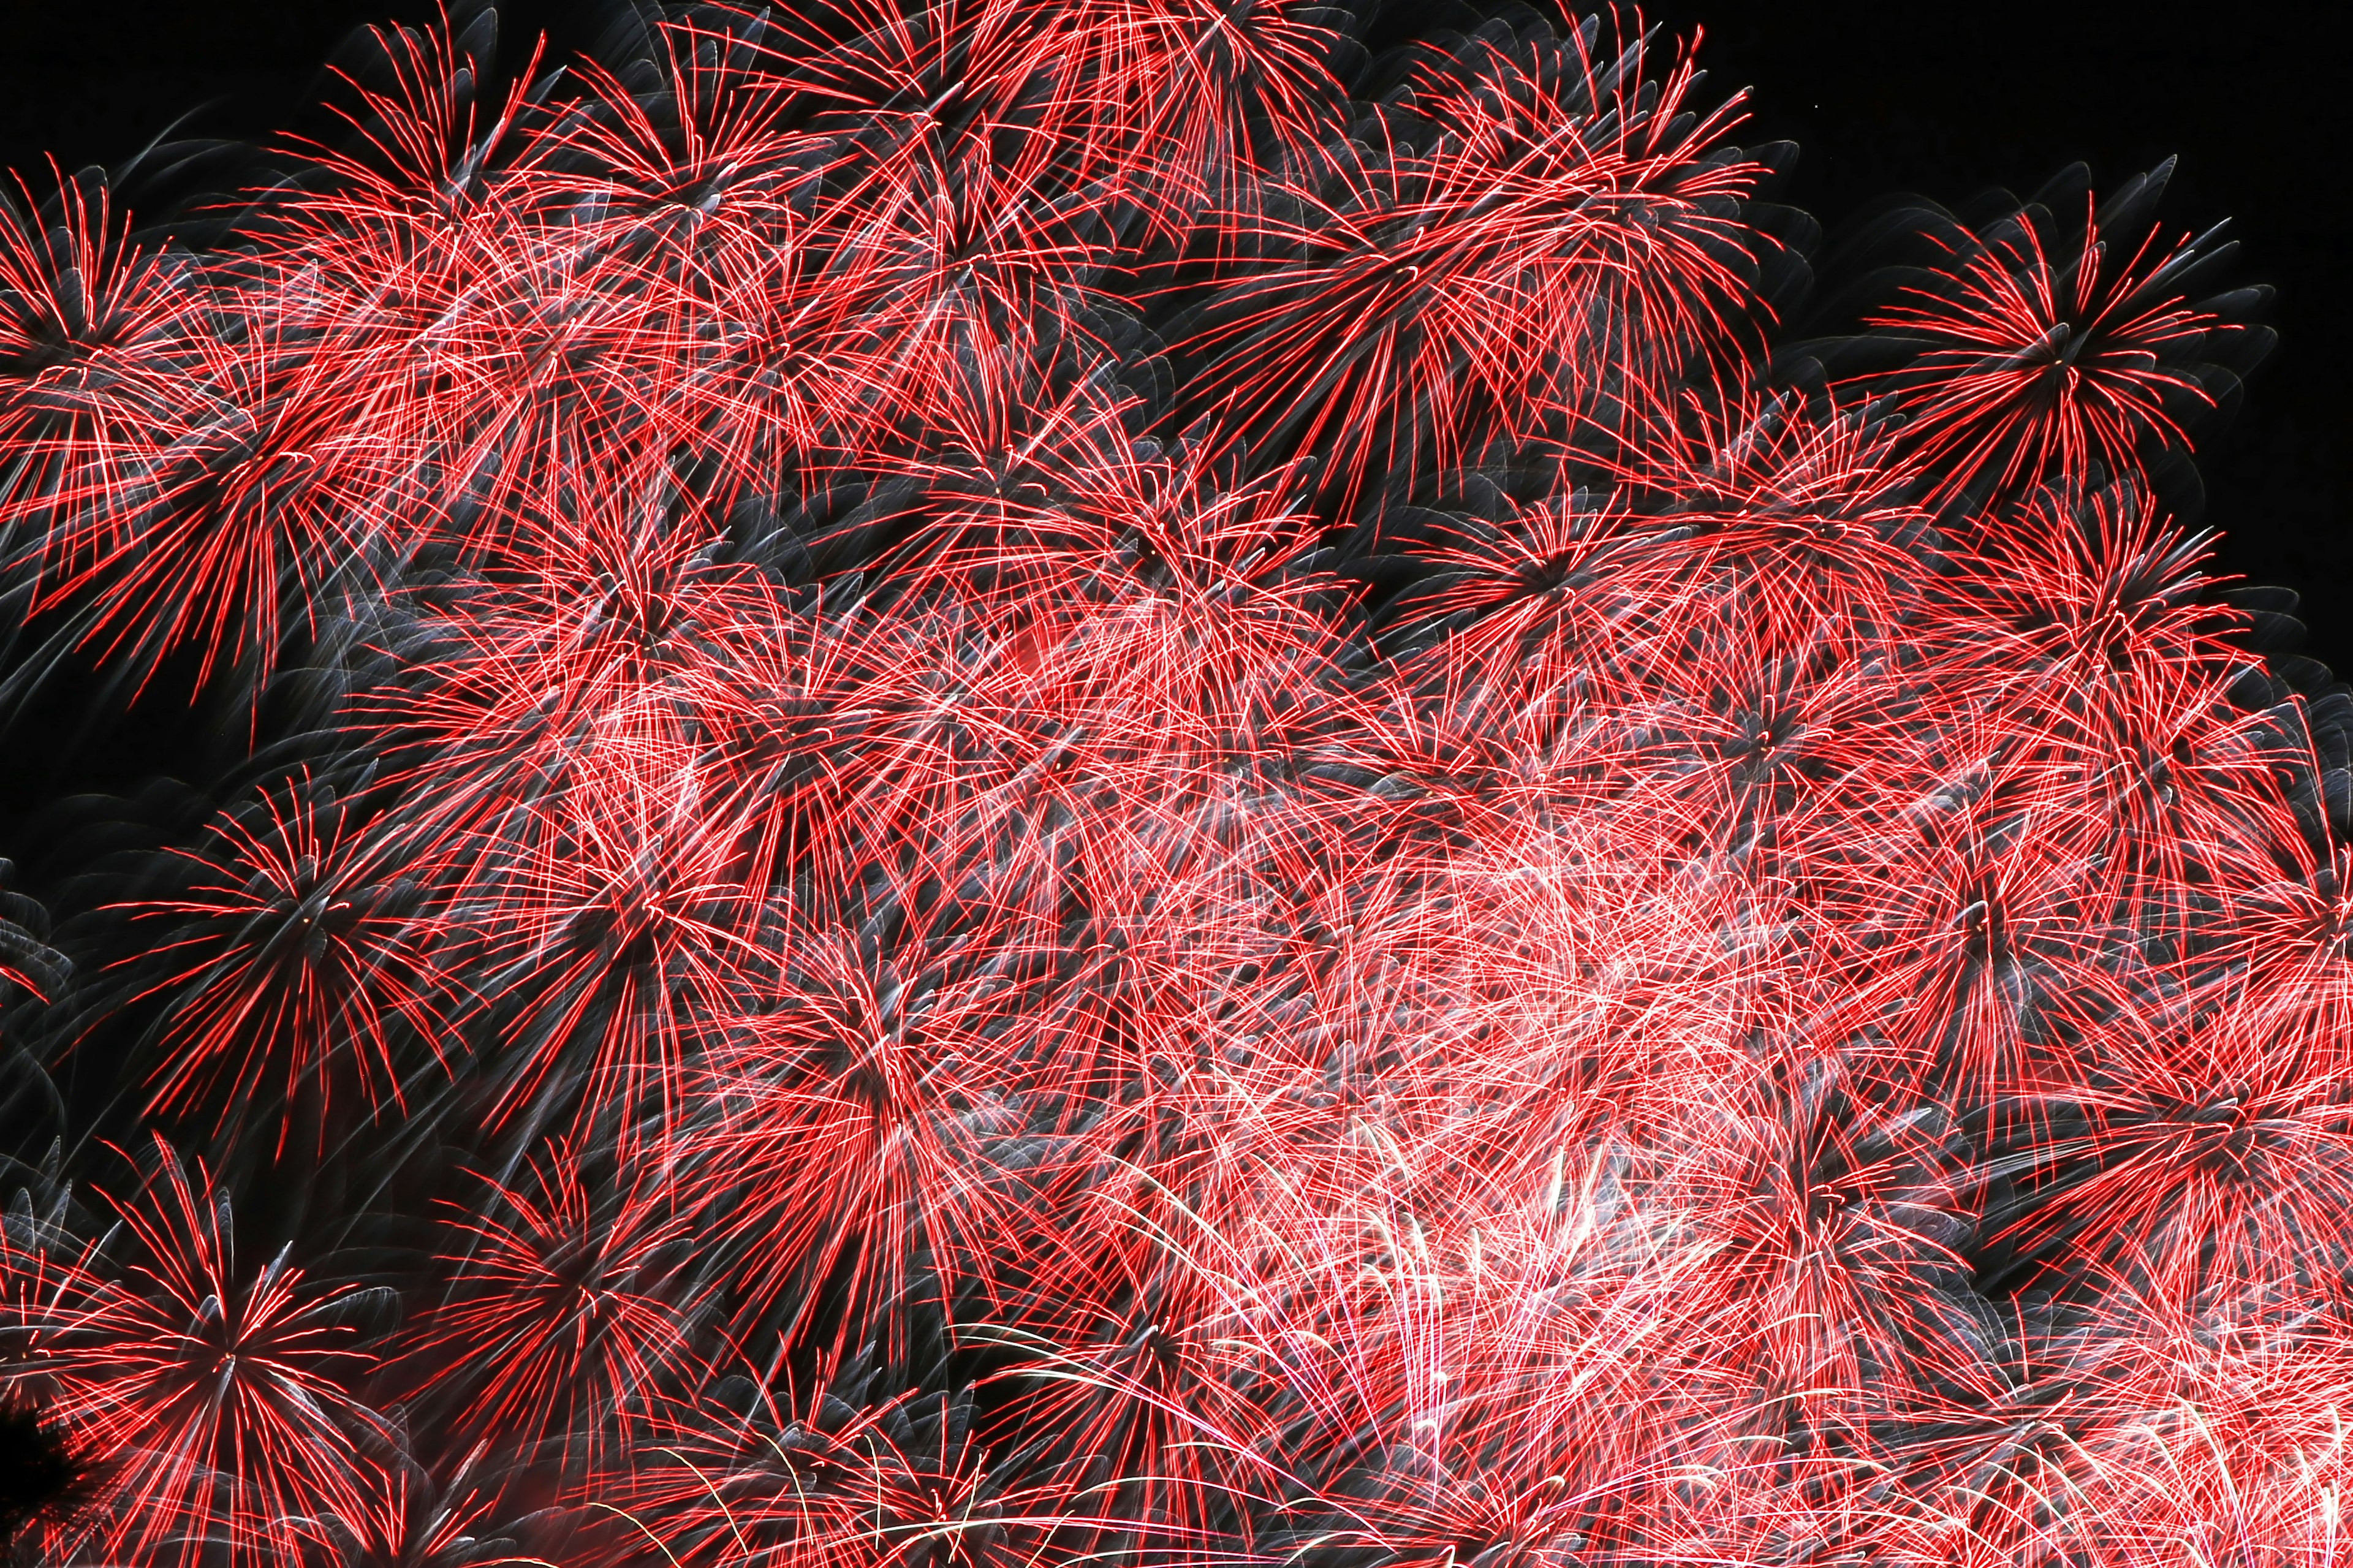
point(1022, 782)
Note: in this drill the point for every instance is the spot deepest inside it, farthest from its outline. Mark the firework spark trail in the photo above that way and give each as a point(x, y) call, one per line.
point(1030, 782)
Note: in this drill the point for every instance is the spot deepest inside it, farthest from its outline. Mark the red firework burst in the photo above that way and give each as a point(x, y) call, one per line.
point(218, 1396)
point(569, 1313)
point(296, 966)
point(2044, 343)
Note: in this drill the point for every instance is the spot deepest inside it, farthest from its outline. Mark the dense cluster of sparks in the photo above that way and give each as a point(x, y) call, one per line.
point(1046, 783)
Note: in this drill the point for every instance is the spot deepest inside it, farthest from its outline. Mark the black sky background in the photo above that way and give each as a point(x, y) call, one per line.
point(1943, 99)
